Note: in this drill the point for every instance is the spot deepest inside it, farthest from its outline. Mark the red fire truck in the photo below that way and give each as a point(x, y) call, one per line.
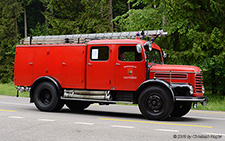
point(82, 69)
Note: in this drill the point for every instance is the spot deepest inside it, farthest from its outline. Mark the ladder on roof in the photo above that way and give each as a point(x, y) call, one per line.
point(84, 38)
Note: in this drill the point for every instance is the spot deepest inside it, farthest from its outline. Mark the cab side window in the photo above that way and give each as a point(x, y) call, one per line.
point(99, 53)
point(129, 53)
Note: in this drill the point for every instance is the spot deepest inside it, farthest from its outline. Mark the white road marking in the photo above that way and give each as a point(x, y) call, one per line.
point(17, 117)
point(120, 126)
point(46, 120)
point(166, 130)
point(84, 123)
point(10, 103)
point(206, 118)
point(214, 134)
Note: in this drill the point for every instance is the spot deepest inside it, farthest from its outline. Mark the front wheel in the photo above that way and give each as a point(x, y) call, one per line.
point(155, 103)
point(46, 97)
point(181, 109)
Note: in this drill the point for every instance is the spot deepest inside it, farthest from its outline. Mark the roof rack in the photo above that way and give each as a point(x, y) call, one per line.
point(84, 38)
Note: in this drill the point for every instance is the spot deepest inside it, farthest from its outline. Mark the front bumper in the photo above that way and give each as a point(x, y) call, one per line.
point(202, 100)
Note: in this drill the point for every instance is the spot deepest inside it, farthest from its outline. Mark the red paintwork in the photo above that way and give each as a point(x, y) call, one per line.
point(189, 71)
point(107, 75)
point(71, 66)
point(180, 68)
point(65, 63)
point(99, 72)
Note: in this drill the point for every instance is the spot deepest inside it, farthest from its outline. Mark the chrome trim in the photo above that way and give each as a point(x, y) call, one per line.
point(191, 99)
point(175, 72)
point(23, 89)
point(181, 85)
point(171, 77)
point(50, 45)
point(113, 43)
point(201, 82)
point(96, 101)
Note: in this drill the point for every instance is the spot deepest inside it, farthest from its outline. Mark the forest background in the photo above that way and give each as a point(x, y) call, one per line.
point(196, 28)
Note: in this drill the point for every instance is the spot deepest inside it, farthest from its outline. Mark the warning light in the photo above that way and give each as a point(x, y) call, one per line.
point(152, 40)
point(138, 35)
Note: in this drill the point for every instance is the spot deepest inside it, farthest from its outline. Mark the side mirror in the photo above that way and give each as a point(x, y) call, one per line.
point(148, 46)
point(164, 55)
point(139, 48)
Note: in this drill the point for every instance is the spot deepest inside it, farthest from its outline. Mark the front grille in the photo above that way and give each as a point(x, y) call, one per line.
point(180, 76)
point(198, 83)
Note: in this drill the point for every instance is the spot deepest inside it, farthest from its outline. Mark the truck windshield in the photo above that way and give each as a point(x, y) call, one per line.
point(154, 56)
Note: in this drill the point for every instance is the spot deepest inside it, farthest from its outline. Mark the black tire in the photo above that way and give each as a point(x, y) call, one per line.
point(181, 109)
point(46, 97)
point(155, 103)
point(77, 105)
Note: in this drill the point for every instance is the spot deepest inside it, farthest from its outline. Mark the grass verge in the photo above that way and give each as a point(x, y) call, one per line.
point(216, 102)
point(10, 90)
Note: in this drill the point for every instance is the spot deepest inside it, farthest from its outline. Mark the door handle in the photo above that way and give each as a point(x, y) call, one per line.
point(63, 63)
point(31, 63)
point(89, 64)
point(118, 64)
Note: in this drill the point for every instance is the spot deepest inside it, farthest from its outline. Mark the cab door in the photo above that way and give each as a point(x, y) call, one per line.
point(98, 67)
point(130, 70)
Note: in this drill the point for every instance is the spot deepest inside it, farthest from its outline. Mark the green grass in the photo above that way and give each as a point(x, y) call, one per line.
point(215, 103)
point(10, 90)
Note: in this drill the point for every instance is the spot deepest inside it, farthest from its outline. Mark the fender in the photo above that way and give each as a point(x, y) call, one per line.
point(41, 79)
point(160, 82)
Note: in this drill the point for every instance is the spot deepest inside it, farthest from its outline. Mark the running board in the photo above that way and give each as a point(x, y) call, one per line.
point(97, 101)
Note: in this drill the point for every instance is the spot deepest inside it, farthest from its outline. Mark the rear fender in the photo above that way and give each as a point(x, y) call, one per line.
point(42, 79)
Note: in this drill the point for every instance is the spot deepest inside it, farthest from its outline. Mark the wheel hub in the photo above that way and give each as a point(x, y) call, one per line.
point(154, 103)
point(45, 97)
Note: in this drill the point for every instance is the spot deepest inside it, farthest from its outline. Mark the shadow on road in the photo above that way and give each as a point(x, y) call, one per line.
point(111, 114)
point(105, 114)
point(184, 119)
point(130, 116)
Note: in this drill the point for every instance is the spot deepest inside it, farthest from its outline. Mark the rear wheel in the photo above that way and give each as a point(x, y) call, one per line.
point(77, 105)
point(46, 97)
point(155, 103)
point(181, 109)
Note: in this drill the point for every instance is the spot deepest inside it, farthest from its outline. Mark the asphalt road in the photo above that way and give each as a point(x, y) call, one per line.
point(21, 121)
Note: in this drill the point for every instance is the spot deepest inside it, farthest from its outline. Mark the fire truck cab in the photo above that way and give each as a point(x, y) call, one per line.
point(106, 71)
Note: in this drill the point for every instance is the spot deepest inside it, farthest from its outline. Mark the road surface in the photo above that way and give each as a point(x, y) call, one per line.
point(21, 121)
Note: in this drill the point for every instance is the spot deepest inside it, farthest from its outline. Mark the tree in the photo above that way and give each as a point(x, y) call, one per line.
point(10, 10)
point(25, 18)
point(139, 17)
point(94, 17)
point(77, 16)
point(195, 33)
point(110, 15)
point(195, 29)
